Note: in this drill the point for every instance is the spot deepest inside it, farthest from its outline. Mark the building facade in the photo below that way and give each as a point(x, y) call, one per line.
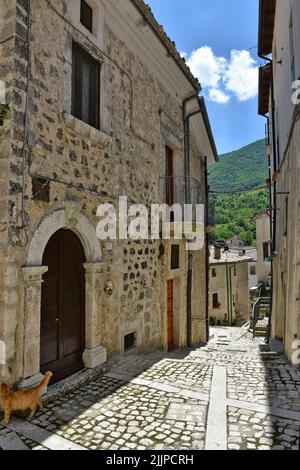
point(263, 246)
point(238, 246)
point(279, 44)
point(229, 287)
point(96, 94)
point(252, 267)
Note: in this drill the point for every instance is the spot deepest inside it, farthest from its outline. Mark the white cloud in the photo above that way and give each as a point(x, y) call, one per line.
point(222, 78)
point(241, 78)
point(217, 95)
point(205, 65)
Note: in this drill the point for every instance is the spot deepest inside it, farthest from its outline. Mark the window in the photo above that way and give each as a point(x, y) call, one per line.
point(292, 50)
point(252, 270)
point(85, 87)
point(129, 341)
point(40, 190)
point(286, 216)
point(86, 15)
point(234, 270)
point(266, 251)
point(175, 257)
point(214, 272)
point(169, 180)
point(216, 301)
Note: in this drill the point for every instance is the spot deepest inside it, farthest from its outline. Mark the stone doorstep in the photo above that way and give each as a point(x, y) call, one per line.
point(73, 382)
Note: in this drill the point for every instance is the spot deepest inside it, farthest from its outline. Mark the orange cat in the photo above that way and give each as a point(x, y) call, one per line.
point(23, 399)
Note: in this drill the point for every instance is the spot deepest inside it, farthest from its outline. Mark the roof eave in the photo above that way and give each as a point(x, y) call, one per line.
point(208, 128)
point(267, 10)
point(166, 41)
point(265, 77)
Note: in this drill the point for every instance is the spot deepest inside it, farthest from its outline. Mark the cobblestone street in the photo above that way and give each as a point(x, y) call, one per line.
point(227, 395)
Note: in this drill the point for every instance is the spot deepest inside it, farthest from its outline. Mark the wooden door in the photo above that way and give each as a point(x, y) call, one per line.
point(62, 306)
point(170, 315)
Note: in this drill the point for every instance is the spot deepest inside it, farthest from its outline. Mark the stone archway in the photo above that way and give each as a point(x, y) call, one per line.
point(68, 218)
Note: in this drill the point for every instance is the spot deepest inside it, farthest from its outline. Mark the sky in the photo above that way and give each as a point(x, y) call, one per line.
point(218, 39)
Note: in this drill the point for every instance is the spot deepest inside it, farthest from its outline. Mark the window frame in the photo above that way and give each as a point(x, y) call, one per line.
point(175, 257)
point(215, 299)
point(266, 250)
point(79, 56)
point(85, 5)
point(252, 268)
point(292, 48)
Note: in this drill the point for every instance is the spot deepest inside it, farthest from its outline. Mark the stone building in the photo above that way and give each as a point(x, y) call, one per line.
point(252, 267)
point(228, 287)
point(96, 93)
point(279, 45)
point(263, 243)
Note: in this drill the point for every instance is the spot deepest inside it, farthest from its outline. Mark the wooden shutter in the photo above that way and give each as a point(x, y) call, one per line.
point(86, 16)
point(85, 87)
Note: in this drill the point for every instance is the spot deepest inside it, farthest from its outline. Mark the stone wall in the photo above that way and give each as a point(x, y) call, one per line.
point(86, 167)
point(286, 299)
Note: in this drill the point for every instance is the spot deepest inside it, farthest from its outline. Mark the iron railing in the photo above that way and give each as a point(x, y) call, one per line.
point(182, 190)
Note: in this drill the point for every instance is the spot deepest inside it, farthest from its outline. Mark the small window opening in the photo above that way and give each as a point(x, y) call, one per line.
point(40, 190)
point(86, 15)
point(129, 342)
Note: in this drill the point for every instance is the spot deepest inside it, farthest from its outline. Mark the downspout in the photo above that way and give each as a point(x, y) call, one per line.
point(231, 296)
point(228, 295)
point(229, 292)
point(271, 233)
point(275, 157)
point(273, 213)
point(186, 123)
point(206, 223)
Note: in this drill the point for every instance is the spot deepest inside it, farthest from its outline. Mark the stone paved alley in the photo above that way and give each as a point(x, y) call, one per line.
point(226, 395)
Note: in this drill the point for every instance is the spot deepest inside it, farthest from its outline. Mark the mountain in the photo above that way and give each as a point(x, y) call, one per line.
point(242, 169)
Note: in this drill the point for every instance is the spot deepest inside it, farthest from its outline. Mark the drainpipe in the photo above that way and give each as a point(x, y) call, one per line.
point(228, 295)
point(273, 213)
point(186, 123)
point(275, 157)
point(206, 222)
point(271, 233)
point(231, 294)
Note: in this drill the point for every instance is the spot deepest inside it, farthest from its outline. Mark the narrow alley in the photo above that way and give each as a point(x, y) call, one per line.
point(231, 394)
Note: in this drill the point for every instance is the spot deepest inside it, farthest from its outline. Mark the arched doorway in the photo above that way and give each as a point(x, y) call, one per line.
point(63, 306)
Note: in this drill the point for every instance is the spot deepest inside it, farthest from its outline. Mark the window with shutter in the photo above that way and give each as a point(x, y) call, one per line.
point(86, 15)
point(85, 87)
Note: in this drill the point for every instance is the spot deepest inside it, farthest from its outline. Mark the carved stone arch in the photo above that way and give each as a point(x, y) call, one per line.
point(70, 218)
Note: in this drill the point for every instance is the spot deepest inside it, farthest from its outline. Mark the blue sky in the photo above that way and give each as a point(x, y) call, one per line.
point(219, 40)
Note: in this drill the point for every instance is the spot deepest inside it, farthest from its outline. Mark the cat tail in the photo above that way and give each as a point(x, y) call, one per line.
point(45, 381)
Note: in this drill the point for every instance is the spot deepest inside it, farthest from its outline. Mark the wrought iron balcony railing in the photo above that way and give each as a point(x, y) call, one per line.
point(182, 190)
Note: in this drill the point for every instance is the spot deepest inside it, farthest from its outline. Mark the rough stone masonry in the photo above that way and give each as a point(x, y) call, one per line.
point(45, 148)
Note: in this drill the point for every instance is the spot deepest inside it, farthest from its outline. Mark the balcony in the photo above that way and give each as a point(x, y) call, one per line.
point(181, 190)
point(177, 191)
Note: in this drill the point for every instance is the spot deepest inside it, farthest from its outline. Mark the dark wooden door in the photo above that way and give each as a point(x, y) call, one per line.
point(62, 306)
point(170, 321)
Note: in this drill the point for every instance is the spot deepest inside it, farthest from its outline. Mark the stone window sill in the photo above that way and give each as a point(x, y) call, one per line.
point(85, 130)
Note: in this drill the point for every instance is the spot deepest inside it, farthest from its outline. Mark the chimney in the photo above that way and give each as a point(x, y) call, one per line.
point(217, 252)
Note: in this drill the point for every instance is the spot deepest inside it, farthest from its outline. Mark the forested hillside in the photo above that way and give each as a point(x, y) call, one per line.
point(237, 172)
